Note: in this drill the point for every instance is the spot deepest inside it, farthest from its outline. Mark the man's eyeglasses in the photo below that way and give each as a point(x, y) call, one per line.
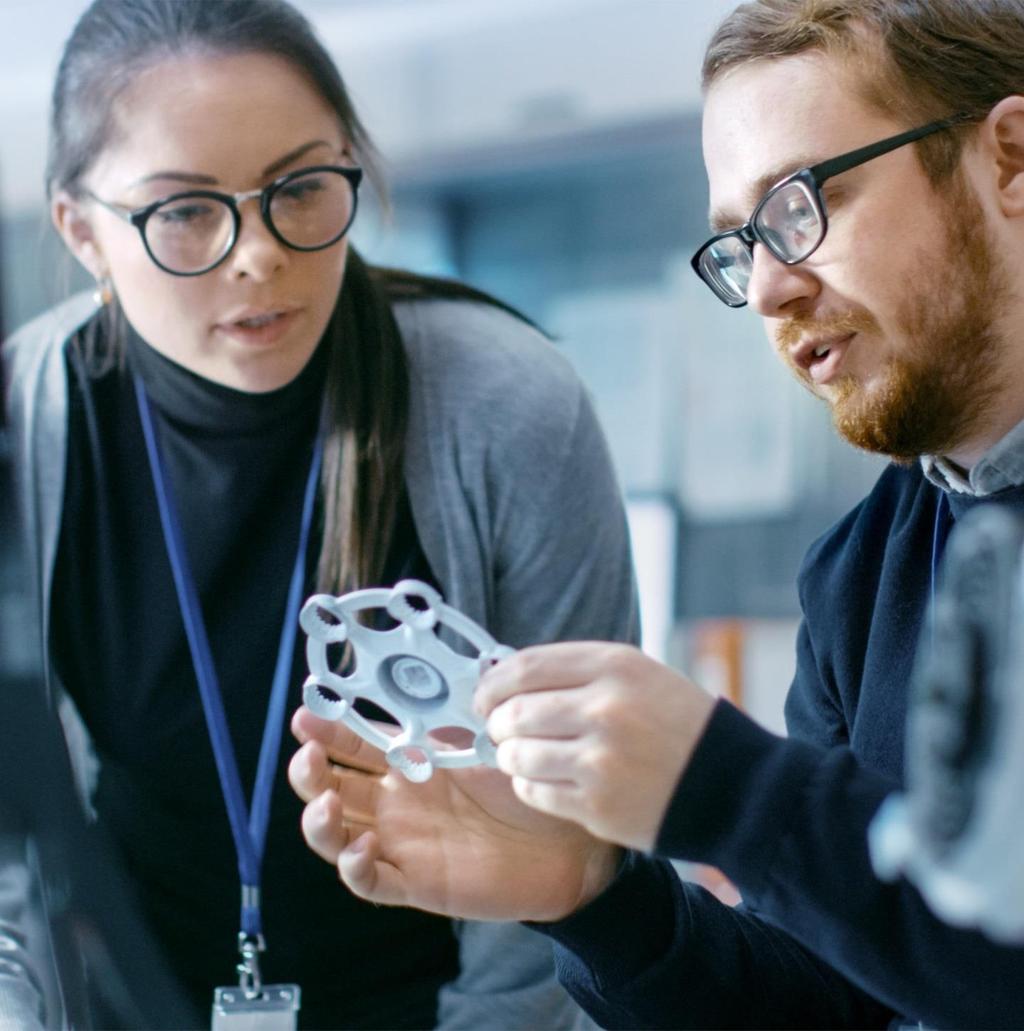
point(192, 232)
point(790, 219)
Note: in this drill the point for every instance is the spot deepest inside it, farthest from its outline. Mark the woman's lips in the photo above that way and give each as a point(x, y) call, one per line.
point(259, 330)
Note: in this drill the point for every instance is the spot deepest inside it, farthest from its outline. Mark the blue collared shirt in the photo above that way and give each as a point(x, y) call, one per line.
point(1000, 467)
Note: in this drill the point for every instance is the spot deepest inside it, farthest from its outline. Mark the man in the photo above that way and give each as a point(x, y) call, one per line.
point(866, 168)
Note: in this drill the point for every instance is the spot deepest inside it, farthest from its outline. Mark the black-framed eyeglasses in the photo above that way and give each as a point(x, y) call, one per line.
point(192, 232)
point(790, 219)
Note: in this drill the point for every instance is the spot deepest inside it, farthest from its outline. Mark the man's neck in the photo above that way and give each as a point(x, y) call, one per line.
point(964, 457)
point(1004, 407)
point(996, 466)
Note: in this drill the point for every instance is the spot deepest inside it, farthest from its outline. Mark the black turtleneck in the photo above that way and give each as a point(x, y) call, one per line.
point(238, 465)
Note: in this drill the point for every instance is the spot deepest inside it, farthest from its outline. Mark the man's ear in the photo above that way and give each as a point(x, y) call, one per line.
point(75, 228)
point(1002, 136)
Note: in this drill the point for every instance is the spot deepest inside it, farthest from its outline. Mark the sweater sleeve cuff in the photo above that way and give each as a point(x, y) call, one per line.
point(736, 796)
point(643, 885)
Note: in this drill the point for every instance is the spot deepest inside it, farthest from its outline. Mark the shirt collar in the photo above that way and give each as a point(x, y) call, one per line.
point(1002, 466)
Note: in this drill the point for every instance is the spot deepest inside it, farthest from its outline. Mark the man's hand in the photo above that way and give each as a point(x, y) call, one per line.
point(460, 844)
point(596, 733)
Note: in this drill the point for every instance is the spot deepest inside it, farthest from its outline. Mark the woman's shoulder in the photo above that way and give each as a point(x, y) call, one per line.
point(31, 344)
point(480, 354)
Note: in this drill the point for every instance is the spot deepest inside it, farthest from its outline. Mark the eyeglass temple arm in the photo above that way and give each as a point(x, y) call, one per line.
point(114, 209)
point(845, 162)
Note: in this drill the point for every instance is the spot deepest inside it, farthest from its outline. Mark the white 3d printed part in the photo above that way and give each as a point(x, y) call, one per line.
point(407, 670)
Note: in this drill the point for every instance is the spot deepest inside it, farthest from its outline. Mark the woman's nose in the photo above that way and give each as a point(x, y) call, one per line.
point(257, 253)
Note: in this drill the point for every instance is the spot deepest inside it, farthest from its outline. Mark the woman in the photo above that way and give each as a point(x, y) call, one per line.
point(246, 412)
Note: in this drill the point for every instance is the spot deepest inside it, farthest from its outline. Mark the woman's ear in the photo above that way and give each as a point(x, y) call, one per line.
point(1002, 138)
point(75, 227)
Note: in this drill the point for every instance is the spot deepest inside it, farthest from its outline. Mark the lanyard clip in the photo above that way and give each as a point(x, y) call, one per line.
point(249, 979)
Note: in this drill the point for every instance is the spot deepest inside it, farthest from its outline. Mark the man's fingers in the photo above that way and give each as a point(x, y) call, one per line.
point(359, 795)
point(544, 668)
point(310, 775)
point(556, 798)
point(540, 714)
point(309, 771)
point(342, 744)
point(323, 827)
point(368, 876)
point(538, 759)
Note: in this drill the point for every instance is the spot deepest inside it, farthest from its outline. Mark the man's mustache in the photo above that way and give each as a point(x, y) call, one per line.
point(802, 327)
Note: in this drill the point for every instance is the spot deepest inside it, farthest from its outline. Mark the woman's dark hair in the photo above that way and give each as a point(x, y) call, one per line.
point(367, 390)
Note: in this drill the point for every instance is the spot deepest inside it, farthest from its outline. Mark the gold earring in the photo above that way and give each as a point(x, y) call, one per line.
point(103, 294)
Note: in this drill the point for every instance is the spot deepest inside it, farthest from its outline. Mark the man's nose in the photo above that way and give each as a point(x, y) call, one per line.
point(776, 288)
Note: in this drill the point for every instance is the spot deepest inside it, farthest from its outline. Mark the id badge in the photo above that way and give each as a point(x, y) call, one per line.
point(275, 1008)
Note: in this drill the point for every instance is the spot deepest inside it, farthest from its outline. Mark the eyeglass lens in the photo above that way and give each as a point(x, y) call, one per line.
point(726, 266)
point(193, 233)
point(788, 222)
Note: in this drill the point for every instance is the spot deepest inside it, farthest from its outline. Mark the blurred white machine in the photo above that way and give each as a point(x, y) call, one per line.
point(957, 831)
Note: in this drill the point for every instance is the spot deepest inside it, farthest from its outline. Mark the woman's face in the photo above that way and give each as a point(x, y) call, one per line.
point(232, 124)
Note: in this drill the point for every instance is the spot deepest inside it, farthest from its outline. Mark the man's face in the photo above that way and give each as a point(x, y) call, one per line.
point(891, 320)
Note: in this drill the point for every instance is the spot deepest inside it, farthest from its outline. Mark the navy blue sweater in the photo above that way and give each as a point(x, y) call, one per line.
point(818, 940)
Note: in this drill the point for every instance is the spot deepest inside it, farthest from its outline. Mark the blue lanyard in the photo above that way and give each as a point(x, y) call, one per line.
point(249, 827)
point(940, 535)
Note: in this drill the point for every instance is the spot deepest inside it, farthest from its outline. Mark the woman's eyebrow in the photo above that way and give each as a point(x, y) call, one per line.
point(294, 155)
point(201, 179)
point(193, 178)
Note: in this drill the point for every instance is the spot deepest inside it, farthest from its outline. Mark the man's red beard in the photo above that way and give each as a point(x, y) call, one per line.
point(937, 392)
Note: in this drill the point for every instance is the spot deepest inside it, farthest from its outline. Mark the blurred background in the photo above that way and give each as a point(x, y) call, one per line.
point(548, 151)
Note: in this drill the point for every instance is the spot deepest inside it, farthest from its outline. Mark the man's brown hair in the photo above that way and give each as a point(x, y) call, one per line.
point(913, 60)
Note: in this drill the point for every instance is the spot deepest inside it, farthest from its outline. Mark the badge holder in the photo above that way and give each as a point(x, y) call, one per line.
point(407, 670)
point(253, 1005)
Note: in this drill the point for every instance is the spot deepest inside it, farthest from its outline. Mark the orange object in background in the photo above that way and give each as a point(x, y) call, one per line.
point(716, 661)
point(715, 881)
point(716, 657)
point(749, 662)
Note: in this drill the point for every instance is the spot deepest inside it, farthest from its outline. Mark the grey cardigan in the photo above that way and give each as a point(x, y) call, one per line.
point(517, 510)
